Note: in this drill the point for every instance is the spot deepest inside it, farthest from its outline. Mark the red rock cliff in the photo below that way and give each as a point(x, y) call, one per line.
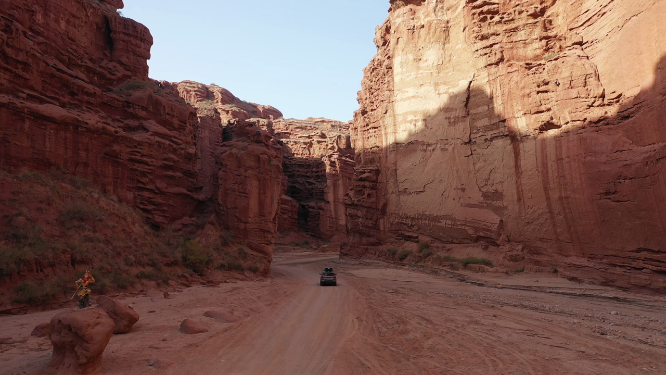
point(75, 95)
point(238, 160)
point(319, 166)
point(537, 122)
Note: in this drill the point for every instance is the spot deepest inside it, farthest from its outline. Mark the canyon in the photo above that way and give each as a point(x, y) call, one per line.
point(496, 205)
point(499, 129)
point(533, 128)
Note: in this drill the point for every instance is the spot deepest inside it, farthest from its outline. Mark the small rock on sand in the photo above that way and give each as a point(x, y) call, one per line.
point(41, 330)
point(191, 327)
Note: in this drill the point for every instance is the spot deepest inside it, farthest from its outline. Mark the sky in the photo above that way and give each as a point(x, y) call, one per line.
point(304, 57)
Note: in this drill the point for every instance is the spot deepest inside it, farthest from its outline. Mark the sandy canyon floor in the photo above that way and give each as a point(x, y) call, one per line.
point(380, 319)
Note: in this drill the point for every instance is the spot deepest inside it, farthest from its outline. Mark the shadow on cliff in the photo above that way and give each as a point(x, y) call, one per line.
point(306, 183)
point(595, 191)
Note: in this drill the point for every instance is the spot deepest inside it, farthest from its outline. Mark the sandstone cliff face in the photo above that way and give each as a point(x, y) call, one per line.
point(239, 163)
point(75, 95)
point(319, 166)
point(250, 185)
point(539, 123)
point(215, 107)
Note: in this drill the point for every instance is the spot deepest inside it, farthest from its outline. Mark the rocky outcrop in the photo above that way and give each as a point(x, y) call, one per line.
point(537, 123)
point(76, 96)
point(79, 338)
point(42, 330)
point(190, 327)
point(123, 317)
point(250, 184)
point(216, 99)
point(288, 220)
point(215, 107)
point(318, 164)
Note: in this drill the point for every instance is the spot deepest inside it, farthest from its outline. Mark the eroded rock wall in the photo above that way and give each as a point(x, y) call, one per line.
point(216, 107)
point(539, 123)
point(250, 185)
point(75, 95)
point(318, 164)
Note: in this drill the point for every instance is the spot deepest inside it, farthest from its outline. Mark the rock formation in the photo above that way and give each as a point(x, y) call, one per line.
point(42, 330)
point(318, 164)
point(79, 338)
point(538, 123)
point(190, 327)
point(250, 185)
point(76, 96)
point(123, 317)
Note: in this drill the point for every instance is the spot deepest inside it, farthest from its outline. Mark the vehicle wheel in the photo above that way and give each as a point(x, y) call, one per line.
point(321, 284)
point(335, 284)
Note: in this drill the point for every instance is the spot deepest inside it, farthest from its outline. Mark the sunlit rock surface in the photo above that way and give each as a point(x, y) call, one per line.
point(75, 95)
point(539, 123)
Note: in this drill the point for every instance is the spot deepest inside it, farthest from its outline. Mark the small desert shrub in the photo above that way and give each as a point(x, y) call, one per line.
point(392, 251)
point(230, 263)
point(253, 268)
point(194, 257)
point(520, 270)
point(77, 216)
point(102, 286)
point(134, 85)
point(304, 244)
point(447, 259)
point(29, 237)
point(467, 261)
point(226, 237)
point(424, 249)
point(37, 294)
point(121, 280)
point(153, 274)
point(12, 260)
point(79, 183)
point(402, 255)
point(242, 253)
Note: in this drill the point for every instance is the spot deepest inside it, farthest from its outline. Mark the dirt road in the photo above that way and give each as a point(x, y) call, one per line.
point(380, 319)
point(301, 337)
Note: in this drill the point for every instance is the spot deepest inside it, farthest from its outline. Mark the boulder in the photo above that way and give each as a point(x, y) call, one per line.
point(123, 316)
point(191, 327)
point(41, 330)
point(79, 338)
point(498, 135)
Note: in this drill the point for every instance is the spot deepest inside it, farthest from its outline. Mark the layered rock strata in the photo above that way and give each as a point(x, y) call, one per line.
point(250, 183)
point(238, 160)
point(215, 107)
point(75, 95)
point(539, 123)
point(79, 338)
point(318, 164)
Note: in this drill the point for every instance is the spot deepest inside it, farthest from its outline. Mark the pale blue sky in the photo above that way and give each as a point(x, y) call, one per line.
point(303, 57)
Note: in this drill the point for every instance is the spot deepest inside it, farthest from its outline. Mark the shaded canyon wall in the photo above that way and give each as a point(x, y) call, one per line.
point(538, 124)
point(319, 166)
